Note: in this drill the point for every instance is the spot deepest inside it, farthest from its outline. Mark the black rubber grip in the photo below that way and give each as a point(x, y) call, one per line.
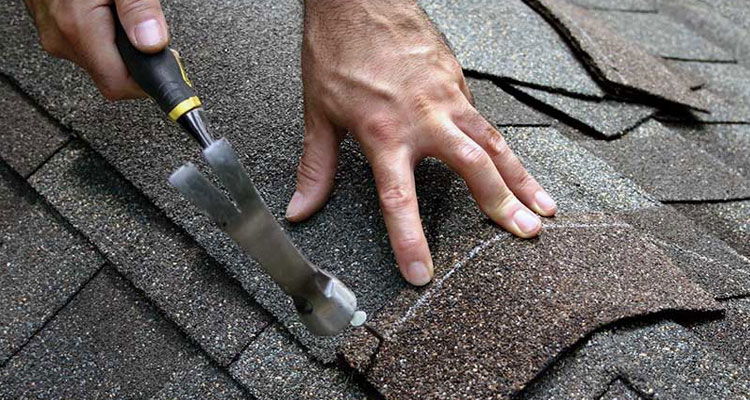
point(160, 75)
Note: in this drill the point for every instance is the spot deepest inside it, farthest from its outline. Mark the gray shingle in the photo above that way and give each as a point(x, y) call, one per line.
point(620, 5)
point(501, 108)
point(200, 380)
point(729, 80)
point(706, 260)
point(736, 10)
point(508, 39)
point(730, 221)
point(107, 343)
point(618, 390)
point(150, 251)
point(542, 295)
point(607, 118)
point(574, 177)
point(731, 334)
point(42, 263)
point(662, 36)
point(617, 63)
point(670, 167)
point(727, 142)
point(274, 367)
point(28, 137)
point(661, 360)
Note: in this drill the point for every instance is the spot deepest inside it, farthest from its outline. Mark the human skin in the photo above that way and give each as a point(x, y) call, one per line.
point(376, 69)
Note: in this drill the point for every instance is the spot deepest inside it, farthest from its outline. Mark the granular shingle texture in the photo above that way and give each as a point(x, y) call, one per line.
point(107, 343)
point(508, 39)
point(574, 177)
point(607, 118)
point(727, 79)
point(670, 167)
point(28, 140)
point(706, 259)
point(274, 367)
point(662, 360)
point(42, 263)
point(502, 108)
point(727, 142)
point(543, 295)
point(191, 289)
point(619, 5)
point(729, 221)
point(731, 334)
point(618, 390)
point(662, 36)
point(618, 64)
point(198, 379)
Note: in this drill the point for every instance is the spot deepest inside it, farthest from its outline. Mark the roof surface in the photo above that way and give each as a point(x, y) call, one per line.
point(632, 114)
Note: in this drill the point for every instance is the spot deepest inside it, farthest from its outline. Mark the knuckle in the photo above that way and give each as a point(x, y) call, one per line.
point(496, 144)
point(408, 242)
point(382, 129)
point(395, 197)
point(136, 7)
point(471, 155)
point(51, 44)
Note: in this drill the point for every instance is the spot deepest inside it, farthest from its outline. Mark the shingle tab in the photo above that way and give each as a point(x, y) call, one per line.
point(149, 250)
point(662, 36)
point(107, 343)
point(525, 302)
point(731, 334)
point(501, 108)
point(607, 118)
point(620, 5)
point(662, 360)
point(727, 142)
point(617, 63)
point(274, 367)
point(507, 39)
point(199, 379)
point(42, 263)
point(670, 167)
point(727, 220)
point(28, 137)
point(706, 259)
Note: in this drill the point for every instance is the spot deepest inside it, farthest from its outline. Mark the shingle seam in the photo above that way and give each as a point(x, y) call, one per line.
point(688, 59)
point(179, 230)
point(49, 157)
point(690, 121)
point(12, 82)
point(55, 313)
point(712, 201)
point(610, 384)
point(500, 81)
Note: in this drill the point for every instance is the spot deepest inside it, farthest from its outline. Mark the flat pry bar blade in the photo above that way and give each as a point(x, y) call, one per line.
point(324, 303)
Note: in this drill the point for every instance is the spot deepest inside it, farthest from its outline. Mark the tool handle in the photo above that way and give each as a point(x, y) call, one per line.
point(160, 75)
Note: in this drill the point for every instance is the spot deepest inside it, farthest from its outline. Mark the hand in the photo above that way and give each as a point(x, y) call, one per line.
point(378, 69)
point(83, 31)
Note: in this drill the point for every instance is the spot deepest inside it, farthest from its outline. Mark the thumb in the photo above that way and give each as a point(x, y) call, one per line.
point(143, 21)
point(316, 169)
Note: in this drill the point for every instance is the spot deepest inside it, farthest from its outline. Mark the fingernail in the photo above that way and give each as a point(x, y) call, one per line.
point(295, 205)
point(418, 274)
point(527, 222)
point(544, 202)
point(148, 33)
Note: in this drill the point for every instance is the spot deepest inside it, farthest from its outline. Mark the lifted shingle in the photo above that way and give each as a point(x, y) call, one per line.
point(149, 250)
point(42, 263)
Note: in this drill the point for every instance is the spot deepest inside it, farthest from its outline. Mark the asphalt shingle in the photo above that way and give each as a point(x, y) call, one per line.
point(501, 108)
point(619, 5)
point(493, 322)
point(727, 142)
point(662, 36)
point(669, 166)
point(42, 263)
point(274, 367)
point(28, 138)
point(199, 379)
point(662, 360)
point(706, 260)
point(507, 39)
point(618, 64)
point(607, 118)
point(107, 343)
point(728, 220)
point(151, 252)
point(731, 334)
point(618, 390)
